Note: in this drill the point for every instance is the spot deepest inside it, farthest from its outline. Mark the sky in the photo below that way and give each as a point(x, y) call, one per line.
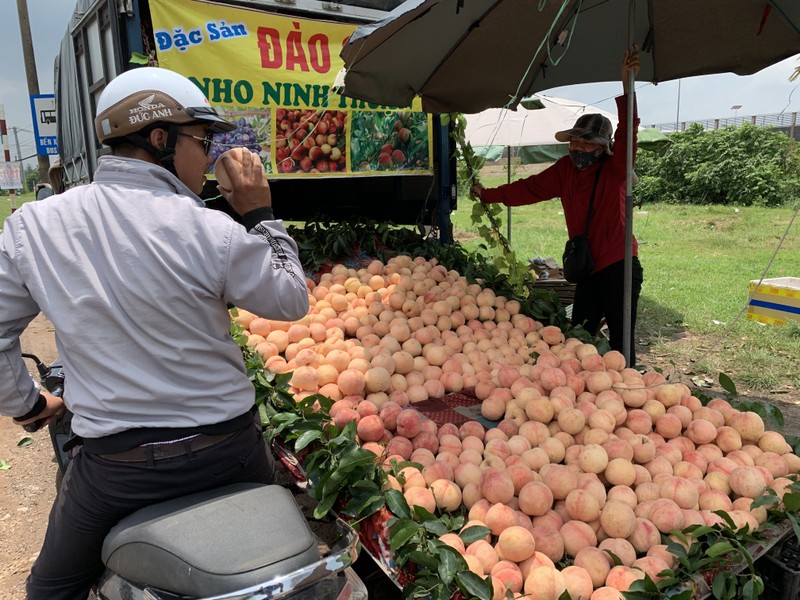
point(706, 97)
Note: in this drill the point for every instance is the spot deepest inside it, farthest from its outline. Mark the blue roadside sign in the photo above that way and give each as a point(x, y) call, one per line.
point(43, 112)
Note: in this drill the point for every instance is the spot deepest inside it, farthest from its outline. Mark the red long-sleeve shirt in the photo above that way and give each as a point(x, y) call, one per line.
point(574, 187)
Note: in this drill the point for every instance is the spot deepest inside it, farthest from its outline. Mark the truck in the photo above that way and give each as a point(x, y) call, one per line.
point(271, 66)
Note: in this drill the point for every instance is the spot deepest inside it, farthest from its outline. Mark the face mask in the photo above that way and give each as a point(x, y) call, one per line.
point(584, 160)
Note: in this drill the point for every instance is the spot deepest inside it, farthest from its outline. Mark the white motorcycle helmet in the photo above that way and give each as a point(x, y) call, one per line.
point(140, 98)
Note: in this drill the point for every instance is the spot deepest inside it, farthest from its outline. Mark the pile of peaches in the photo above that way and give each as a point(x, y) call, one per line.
point(582, 457)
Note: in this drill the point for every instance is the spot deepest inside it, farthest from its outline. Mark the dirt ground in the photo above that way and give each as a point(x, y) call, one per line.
point(27, 488)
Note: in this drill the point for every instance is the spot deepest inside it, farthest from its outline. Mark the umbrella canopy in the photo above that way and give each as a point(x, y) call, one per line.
point(532, 130)
point(461, 56)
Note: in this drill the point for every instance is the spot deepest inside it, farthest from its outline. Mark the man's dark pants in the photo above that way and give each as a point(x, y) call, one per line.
point(96, 493)
point(602, 295)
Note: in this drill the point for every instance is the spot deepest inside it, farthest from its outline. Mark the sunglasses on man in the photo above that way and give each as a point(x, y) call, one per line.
point(207, 140)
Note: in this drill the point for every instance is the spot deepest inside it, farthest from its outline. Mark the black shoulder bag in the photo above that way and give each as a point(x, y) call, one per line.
point(577, 260)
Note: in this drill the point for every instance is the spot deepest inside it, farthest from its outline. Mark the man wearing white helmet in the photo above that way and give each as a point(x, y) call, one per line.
point(136, 276)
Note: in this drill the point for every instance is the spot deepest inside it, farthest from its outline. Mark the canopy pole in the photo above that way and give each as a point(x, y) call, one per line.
point(508, 210)
point(627, 305)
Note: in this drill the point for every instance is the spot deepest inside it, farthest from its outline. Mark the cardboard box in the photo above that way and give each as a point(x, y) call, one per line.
point(775, 301)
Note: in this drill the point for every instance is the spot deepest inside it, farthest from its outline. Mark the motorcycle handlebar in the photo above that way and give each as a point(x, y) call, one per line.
point(53, 378)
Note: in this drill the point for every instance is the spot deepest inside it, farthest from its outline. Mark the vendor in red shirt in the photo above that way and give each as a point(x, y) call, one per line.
point(572, 178)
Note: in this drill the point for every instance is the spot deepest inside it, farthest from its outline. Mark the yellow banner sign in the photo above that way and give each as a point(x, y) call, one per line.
point(273, 74)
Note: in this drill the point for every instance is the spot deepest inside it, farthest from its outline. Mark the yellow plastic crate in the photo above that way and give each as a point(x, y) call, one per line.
point(775, 301)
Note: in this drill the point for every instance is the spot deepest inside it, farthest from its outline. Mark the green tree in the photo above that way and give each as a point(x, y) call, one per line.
point(31, 178)
point(745, 165)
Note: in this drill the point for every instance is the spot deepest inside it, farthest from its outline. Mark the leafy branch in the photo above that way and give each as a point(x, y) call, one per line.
point(439, 570)
point(504, 257)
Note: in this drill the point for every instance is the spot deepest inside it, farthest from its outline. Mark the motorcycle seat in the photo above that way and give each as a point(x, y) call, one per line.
point(213, 542)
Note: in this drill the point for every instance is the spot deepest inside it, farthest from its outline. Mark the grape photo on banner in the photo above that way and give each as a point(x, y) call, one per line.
point(253, 132)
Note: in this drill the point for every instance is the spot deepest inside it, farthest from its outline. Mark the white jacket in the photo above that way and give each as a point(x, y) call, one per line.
point(136, 274)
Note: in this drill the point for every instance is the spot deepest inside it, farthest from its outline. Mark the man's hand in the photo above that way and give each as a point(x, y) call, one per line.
point(630, 62)
point(477, 189)
point(249, 186)
point(54, 408)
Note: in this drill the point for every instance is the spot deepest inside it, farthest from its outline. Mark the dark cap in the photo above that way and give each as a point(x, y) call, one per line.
point(593, 128)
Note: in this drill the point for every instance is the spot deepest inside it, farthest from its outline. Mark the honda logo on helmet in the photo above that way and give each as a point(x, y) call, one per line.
point(147, 104)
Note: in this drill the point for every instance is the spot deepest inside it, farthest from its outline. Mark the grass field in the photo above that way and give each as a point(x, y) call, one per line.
point(5, 204)
point(698, 262)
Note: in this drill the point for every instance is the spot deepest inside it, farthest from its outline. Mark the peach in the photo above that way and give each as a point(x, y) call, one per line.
point(747, 482)
point(549, 542)
point(454, 541)
point(669, 425)
point(484, 552)
point(593, 458)
point(681, 491)
point(499, 517)
point(595, 562)
point(409, 422)
point(621, 577)
point(651, 565)
point(749, 425)
point(620, 548)
point(701, 431)
point(577, 535)
point(582, 505)
point(772, 462)
point(617, 519)
point(516, 543)
point(474, 564)
point(561, 480)
point(571, 420)
point(772, 441)
point(420, 496)
point(579, 582)
point(506, 577)
point(471, 429)
point(544, 583)
point(422, 456)
point(620, 472)
point(644, 535)
point(606, 593)
point(446, 494)
point(497, 486)
point(666, 515)
point(669, 394)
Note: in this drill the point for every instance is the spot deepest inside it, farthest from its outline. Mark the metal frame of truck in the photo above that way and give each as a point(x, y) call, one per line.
point(103, 35)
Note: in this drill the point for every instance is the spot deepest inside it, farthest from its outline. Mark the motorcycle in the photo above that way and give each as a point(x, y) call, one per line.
point(237, 542)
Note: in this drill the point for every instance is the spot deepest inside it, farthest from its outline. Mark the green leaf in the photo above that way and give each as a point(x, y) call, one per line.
point(435, 527)
point(396, 503)
point(399, 537)
point(792, 501)
point(721, 586)
point(727, 384)
point(719, 548)
point(138, 59)
point(753, 588)
point(423, 559)
point(325, 506)
point(422, 513)
point(474, 533)
point(26, 441)
point(4, 466)
point(474, 586)
point(306, 438)
point(447, 566)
